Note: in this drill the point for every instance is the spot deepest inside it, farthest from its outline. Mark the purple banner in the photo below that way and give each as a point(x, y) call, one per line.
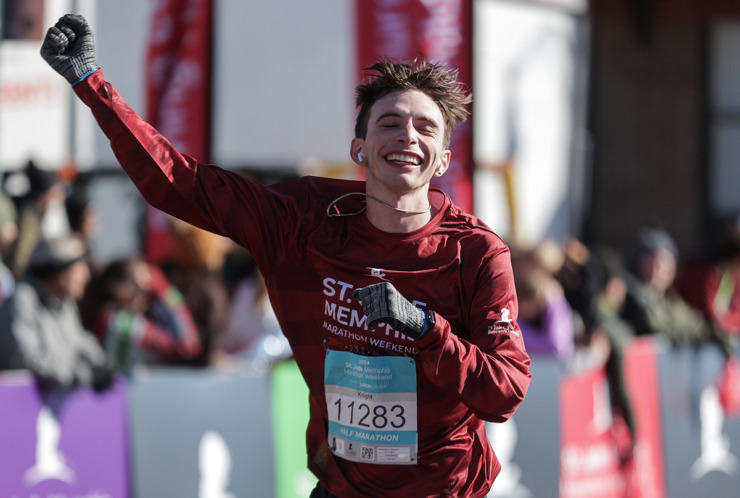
point(62, 444)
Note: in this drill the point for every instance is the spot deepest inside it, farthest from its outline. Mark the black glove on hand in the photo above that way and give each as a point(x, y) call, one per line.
point(103, 377)
point(69, 49)
point(383, 303)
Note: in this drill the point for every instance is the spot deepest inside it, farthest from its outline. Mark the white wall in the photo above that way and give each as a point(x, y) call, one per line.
point(525, 67)
point(284, 82)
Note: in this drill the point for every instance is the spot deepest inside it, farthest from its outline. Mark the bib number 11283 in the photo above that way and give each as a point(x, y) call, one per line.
point(372, 408)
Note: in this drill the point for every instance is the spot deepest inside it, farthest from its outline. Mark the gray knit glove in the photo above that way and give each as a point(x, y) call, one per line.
point(69, 49)
point(383, 303)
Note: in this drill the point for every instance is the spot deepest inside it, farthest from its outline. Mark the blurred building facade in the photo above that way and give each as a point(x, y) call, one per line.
point(665, 118)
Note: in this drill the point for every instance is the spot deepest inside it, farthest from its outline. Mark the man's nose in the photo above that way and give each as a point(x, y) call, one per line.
point(407, 134)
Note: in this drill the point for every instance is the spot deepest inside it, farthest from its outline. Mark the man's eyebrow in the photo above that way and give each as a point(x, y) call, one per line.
point(398, 115)
point(388, 115)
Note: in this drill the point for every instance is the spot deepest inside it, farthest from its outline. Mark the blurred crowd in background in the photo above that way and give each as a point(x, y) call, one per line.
point(75, 320)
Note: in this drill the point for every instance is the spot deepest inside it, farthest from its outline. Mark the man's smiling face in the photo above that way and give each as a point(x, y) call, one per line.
point(403, 146)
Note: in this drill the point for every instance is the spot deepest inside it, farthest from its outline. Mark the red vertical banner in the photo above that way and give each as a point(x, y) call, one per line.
point(590, 463)
point(645, 473)
point(441, 32)
point(178, 92)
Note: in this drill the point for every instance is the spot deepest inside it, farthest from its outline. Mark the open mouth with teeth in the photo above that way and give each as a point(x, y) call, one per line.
point(403, 159)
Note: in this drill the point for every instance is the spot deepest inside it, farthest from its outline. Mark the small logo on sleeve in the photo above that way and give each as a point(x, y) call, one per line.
point(503, 324)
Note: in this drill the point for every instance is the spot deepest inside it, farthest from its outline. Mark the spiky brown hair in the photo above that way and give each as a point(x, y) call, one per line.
point(435, 81)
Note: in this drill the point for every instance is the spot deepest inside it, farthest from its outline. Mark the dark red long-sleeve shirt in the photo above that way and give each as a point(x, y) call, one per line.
point(472, 366)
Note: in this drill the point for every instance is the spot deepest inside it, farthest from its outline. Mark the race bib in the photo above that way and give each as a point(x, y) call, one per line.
point(371, 401)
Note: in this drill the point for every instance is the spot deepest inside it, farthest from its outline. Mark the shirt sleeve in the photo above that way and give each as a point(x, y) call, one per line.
point(489, 372)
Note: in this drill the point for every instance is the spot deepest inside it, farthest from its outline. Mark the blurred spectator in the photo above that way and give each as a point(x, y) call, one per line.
point(206, 297)
point(82, 214)
point(139, 317)
point(545, 317)
point(253, 338)
point(652, 306)
point(711, 283)
point(8, 235)
point(40, 326)
point(579, 275)
point(39, 197)
point(195, 267)
point(595, 285)
point(607, 329)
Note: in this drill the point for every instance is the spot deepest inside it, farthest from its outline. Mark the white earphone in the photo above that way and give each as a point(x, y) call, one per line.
point(360, 156)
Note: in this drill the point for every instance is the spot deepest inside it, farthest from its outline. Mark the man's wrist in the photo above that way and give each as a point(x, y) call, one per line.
point(84, 76)
point(427, 324)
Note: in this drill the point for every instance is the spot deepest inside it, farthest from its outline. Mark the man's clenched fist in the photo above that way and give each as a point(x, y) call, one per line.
point(383, 303)
point(69, 49)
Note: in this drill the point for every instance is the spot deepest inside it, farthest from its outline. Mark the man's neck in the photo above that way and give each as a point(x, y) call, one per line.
point(404, 215)
point(398, 223)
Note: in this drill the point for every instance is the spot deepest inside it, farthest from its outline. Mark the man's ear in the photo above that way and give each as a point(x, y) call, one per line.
point(443, 164)
point(355, 151)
